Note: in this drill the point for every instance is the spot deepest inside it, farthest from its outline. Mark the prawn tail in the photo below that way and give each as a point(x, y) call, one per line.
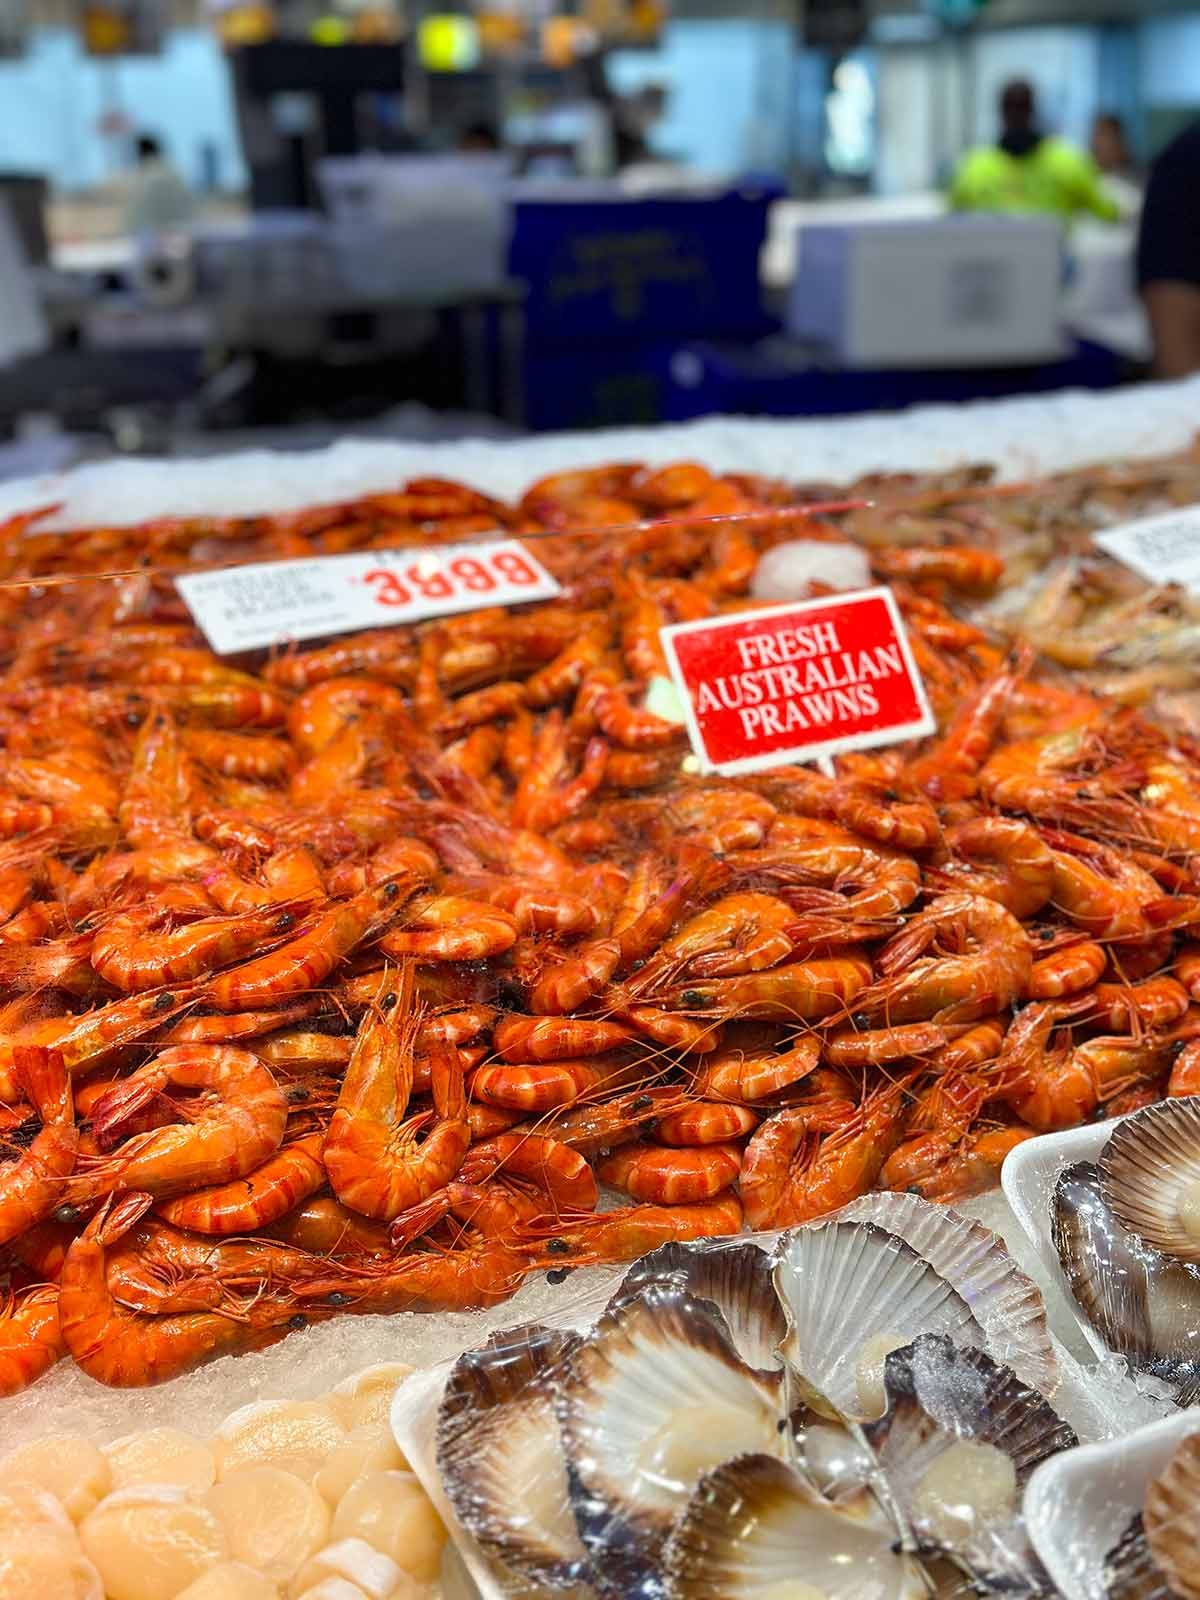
point(42, 1074)
point(117, 1216)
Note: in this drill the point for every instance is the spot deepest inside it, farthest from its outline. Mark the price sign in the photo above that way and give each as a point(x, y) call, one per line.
point(1162, 549)
point(798, 682)
point(277, 602)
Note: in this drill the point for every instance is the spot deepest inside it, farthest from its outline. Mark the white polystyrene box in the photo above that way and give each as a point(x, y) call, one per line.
point(943, 292)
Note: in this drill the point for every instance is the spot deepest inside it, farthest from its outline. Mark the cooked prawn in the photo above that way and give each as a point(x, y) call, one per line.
point(141, 950)
point(789, 1176)
point(125, 1349)
point(305, 961)
point(234, 1121)
point(372, 1155)
point(252, 1202)
point(30, 1338)
point(671, 1176)
point(32, 1185)
point(988, 970)
point(1021, 862)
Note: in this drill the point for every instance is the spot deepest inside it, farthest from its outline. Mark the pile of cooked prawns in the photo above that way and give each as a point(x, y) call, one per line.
point(341, 978)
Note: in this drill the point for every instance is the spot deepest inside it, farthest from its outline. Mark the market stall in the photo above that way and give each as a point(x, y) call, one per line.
point(374, 989)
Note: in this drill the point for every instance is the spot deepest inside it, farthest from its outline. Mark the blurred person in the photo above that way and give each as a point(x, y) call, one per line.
point(1029, 171)
point(1168, 258)
point(1110, 147)
point(156, 196)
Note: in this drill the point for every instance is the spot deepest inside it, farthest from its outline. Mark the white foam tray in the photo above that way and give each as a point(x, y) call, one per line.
point(1028, 1178)
point(1079, 1503)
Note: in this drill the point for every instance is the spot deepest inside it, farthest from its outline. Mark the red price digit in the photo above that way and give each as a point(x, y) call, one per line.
point(389, 591)
point(511, 564)
point(472, 574)
point(430, 581)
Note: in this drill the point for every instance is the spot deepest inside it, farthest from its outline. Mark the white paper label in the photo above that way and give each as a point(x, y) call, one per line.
point(277, 602)
point(1162, 549)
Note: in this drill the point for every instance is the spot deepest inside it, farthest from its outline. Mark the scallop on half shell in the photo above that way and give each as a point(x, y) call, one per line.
point(736, 1278)
point(654, 1397)
point(1143, 1305)
point(957, 1444)
point(1171, 1517)
point(755, 1529)
point(1005, 1301)
point(1150, 1177)
point(851, 1293)
point(501, 1460)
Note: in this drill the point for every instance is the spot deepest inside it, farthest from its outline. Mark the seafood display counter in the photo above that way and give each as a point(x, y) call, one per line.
point(376, 985)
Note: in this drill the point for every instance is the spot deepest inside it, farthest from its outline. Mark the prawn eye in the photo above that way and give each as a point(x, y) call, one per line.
point(298, 1321)
point(285, 921)
point(162, 1002)
point(67, 1214)
point(694, 999)
point(390, 891)
point(337, 1298)
point(558, 1274)
point(297, 1095)
point(860, 1020)
point(1045, 934)
point(642, 1101)
point(558, 1247)
point(133, 718)
point(387, 1001)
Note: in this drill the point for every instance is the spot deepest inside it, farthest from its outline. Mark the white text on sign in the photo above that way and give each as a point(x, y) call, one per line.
point(797, 682)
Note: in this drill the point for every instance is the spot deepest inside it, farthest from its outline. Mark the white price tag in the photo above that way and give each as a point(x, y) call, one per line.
point(1162, 549)
point(277, 602)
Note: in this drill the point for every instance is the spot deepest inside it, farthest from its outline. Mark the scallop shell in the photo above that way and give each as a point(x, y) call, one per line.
point(1130, 1571)
point(737, 1279)
point(845, 1284)
point(1006, 1303)
point(501, 1460)
point(1105, 1275)
point(755, 1527)
point(1171, 1517)
point(1143, 1306)
point(1150, 1176)
point(655, 1396)
point(942, 1398)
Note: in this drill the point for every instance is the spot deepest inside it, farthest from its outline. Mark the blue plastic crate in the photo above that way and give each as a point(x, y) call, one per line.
point(596, 386)
point(764, 380)
point(652, 268)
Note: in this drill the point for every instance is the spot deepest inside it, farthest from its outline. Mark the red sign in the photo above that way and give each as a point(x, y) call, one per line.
point(798, 682)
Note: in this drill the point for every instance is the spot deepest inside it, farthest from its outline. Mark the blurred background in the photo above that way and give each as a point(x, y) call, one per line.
point(283, 218)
